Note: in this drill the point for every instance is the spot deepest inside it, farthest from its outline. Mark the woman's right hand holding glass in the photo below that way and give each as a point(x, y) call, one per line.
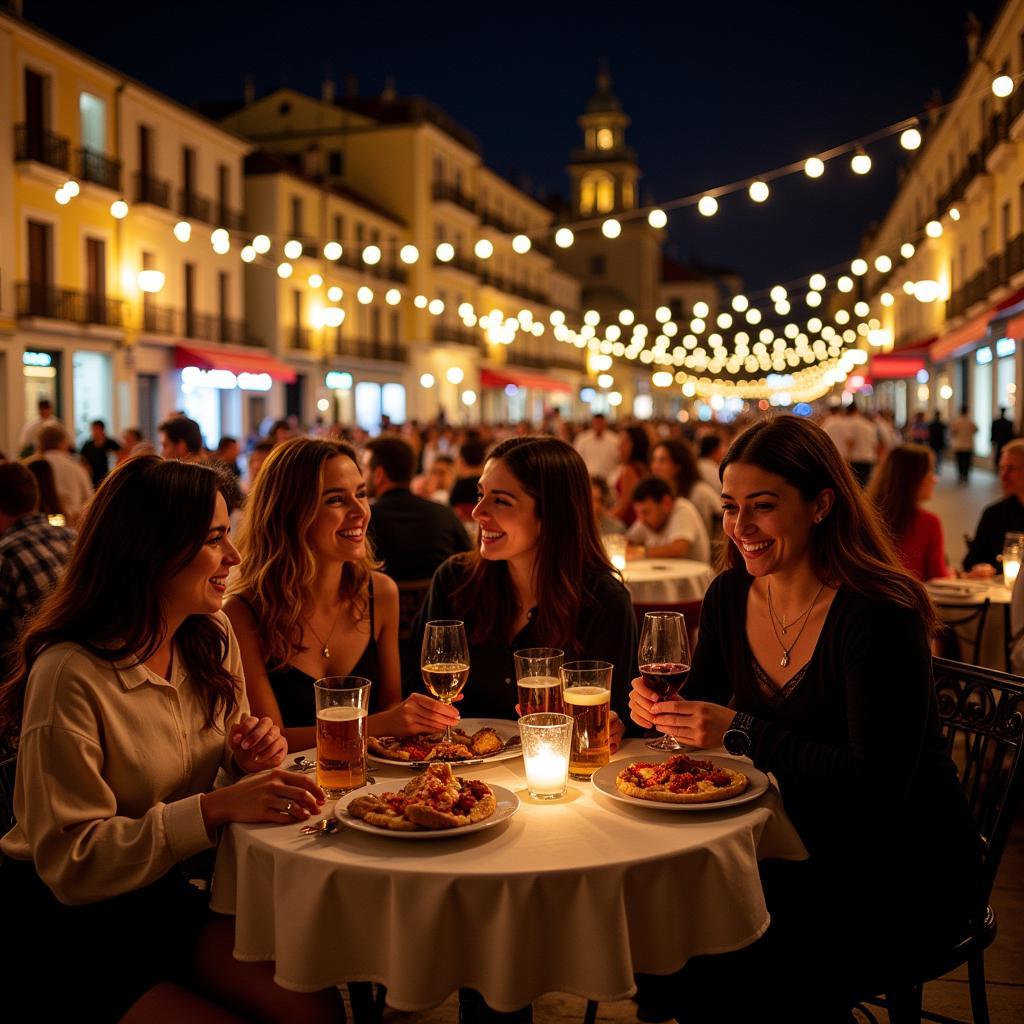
point(277, 796)
point(418, 713)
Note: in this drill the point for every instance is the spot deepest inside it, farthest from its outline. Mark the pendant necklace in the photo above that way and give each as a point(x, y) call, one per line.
point(325, 650)
point(784, 660)
point(781, 619)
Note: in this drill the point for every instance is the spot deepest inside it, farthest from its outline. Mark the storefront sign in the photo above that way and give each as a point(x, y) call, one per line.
point(983, 356)
point(224, 380)
point(338, 381)
point(37, 359)
point(1005, 347)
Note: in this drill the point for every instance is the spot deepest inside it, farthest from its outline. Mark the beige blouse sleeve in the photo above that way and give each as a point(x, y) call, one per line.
point(233, 663)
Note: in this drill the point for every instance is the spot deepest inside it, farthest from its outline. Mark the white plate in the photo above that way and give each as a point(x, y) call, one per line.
point(604, 780)
point(504, 727)
point(508, 804)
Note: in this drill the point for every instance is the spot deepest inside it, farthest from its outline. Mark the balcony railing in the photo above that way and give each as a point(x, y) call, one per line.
point(467, 266)
point(199, 326)
point(41, 146)
point(545, 362)
point(67, 304)
point(453, 335)
point(100, 169)
point(300, 338)
point(152, 190)
point(493, 220)
point(511, 287)
point(194, 207)
point(365, 348)
point(233, 220)
point(443, 190)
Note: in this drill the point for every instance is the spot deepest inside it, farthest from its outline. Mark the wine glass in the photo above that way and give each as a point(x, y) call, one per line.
point(444, 661)
point(664, 658)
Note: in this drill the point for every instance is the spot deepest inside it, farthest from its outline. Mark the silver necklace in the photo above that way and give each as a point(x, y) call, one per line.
point(806, 616)
point(325, 649)
point(781, 619)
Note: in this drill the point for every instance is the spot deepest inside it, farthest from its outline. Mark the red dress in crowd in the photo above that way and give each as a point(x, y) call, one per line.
point(922, 549)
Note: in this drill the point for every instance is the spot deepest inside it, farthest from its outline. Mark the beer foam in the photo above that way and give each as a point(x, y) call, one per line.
point(587, 695)
point(540, 682)
point(339, 714)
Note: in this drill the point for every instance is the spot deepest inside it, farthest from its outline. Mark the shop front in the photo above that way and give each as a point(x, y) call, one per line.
point(366, 400)
point(513, 396)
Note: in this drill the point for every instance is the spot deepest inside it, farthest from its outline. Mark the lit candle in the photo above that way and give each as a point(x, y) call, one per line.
point(619, 562)
point(546, 772)
point(1011, 568)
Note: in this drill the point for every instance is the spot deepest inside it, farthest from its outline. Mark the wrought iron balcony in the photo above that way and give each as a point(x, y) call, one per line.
point(444, 191)
point(194, 207)
point(456, 335)
point(99, 169)
point(152, 190)
point(233, 220)
point(365, 348)
point(68, 304)
point(41, 146)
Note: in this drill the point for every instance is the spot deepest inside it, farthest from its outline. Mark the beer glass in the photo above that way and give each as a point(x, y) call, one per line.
point(587, 692)
point(444, 661)
point(538, 680)
point(664, 659)
point(342, 704)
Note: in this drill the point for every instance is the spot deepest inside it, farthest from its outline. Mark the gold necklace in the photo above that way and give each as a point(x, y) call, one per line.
point(806, 616)
point(325, 649)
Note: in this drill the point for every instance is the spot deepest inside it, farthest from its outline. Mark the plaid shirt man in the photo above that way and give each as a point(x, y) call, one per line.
point(32, 555)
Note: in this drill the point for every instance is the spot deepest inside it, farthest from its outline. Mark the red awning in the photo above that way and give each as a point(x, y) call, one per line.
point(236, 362)
point(973, 331)
point(894, 365)
point(501, 379)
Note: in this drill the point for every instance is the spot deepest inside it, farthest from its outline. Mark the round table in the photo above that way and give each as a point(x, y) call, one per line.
point(569, 896)
point(667, 579)
point(952, 595)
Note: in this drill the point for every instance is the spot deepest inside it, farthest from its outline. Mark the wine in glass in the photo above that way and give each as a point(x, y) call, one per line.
point(664, 657)
point(444, 661)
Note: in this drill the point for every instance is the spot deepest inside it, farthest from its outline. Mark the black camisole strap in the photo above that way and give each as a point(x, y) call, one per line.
point(373, 626)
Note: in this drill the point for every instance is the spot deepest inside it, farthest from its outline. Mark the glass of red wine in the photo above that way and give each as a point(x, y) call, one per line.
point(664, 657)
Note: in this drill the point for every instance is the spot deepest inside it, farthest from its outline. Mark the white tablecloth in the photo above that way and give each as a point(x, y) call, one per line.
point(667, 579)
point(573, 896)
point(948, 594)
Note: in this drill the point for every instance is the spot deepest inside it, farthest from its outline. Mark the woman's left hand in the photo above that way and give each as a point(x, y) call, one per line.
point(693, 722)
point(257, 744)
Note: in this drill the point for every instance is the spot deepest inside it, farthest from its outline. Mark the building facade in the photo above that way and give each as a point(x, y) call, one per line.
point(952, 305)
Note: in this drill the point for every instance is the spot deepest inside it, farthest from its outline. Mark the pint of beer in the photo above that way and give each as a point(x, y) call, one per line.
point(539, 682)
point(342, 704)
point(587, 691)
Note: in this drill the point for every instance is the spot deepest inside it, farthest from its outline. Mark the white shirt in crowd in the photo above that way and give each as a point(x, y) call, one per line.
point(863, 439)
point(72, 482)
point(684, 523)
point(708, 501)
point(709, 474)
point(30, 431)
point(837, 426)
point(601, 454)
point(961, 434)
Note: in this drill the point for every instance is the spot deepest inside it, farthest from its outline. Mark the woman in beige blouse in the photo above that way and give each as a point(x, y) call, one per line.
point(126, 702)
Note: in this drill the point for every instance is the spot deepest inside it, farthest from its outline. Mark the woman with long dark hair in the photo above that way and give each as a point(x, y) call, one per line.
point(125, 702)
point(309, 602)
point(634, 449)
point(673, 460)
point(819, 638)
point(539, 577)
point(904, 480)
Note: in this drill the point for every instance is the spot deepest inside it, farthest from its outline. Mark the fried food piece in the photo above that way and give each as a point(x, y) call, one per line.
point(485, 741)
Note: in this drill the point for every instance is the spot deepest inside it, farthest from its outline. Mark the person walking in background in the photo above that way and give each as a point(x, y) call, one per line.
point(30, 432)
point(961, 433)
point(863, 443)
point(919, 429)
point(598, 447)
point(1002, 431)
point(937, 439)
point(181, 438)
point(97, 450)
point(904, 481)
point(74, 488)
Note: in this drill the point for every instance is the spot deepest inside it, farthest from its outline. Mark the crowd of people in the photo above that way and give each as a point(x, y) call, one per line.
point(144, 653)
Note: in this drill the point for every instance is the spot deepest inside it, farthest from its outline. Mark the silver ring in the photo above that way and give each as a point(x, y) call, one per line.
point(288, 807)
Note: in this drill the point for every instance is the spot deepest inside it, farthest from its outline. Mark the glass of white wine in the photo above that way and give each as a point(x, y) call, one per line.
point(444, 661)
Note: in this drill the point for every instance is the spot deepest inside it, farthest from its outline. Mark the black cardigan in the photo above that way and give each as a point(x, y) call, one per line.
point(855, 747)
point(605, 631)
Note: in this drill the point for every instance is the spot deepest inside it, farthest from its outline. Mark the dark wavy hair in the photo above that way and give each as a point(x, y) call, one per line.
point(686, 473)
point(568, 547)
point(639, 444)
point(147, 521)
point(851, 547)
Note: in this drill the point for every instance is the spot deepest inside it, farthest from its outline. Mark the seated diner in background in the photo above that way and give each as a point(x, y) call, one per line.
point(665, 526)
point(1001, 517)
point(901, 484)
point(308, 602)
point(125, 703)
point(814, 661)
point(539, 578)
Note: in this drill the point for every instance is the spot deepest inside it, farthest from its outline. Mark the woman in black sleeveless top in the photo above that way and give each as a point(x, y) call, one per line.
point(308, 602)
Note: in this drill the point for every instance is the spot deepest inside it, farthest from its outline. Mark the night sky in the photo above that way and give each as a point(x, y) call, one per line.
point(716, 91)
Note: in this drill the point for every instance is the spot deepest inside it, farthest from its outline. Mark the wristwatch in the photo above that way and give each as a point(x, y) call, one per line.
point(737, 736)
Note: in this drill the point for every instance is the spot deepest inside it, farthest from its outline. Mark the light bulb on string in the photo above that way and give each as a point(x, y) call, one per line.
point(409, 254)
point(119, 209)
point(183, 231)
point(657, 218)
point(814, 167)
point(261, 243)
point(332, 251)
point(372, 255)
point(933, 229)
point(778, 294)
point(816, 282)
point(284, 270)
point(759, 191)
point(910, 139)
point(611, 228)
point(954, 213)
point(707, 206)
point(883, 264)
point(1002, 85)
point(861, 162)
point(445, 252)
point(335, 294)
point(248, 254)
point(293, 248)
point(564, 238)
point(521, 244)
point(484, 249)
point(859, 267)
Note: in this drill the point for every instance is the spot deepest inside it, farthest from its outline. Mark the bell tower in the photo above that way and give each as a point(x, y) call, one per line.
point(604, 171)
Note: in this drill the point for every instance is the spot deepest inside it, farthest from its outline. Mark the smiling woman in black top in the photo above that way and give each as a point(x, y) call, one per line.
point(539, 578)
point(819, 639)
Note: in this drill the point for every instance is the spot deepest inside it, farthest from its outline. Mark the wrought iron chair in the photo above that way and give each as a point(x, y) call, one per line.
point(982, 720)
point(965, 628)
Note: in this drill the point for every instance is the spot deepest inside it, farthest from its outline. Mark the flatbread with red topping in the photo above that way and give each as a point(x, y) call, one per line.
point(435, 799)
point(432, 747)
point(680, 780)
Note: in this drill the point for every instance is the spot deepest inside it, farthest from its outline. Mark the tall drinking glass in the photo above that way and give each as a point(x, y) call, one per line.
point(587, 691)
point(538, 680)
point(1013, 551)
point(444, 661)
point(342, 704)
point(664, 659)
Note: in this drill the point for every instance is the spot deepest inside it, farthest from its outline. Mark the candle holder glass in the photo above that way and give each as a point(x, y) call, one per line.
point(547, 738)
